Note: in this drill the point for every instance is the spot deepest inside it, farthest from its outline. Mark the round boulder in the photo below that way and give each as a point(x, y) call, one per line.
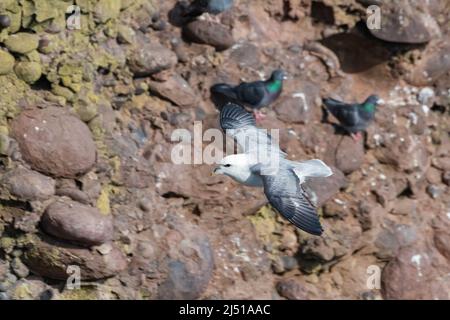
point(151, 58)
point(52, 259)
point(28, 185)
point(55, 142)
point(76, 222)
point(211, 33)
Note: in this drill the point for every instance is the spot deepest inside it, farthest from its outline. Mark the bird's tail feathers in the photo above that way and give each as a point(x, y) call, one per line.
point(333, 105)
point(312, 168)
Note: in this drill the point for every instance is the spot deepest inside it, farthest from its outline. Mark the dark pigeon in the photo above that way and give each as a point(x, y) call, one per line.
point(354, 118)
point(199, 7)
point(254, 95)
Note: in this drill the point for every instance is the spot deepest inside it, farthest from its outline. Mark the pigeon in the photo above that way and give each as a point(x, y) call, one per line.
point(198, 7)
point(281, 178)
point(354, 118)
point(255, 95)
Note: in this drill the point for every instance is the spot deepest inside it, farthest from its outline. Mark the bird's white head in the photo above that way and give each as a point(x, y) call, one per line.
point(236, 166)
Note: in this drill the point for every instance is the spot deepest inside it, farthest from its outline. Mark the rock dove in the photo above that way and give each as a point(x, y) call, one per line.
point(199, 7)
point(354, 118)
point(255, 95)
point(281, 179)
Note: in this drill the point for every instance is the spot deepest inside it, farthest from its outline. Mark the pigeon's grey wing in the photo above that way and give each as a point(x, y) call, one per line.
point(240, 125)
point(218, 6)
point(286, 195)
point(348, 116)
point(196, 8)
point(333, 103)
point(251, 93)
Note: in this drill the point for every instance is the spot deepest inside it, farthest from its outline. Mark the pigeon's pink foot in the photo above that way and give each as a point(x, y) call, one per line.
point(259, 116)
point(356, 136)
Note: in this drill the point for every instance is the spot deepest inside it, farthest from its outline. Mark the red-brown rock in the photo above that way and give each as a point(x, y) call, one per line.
point(55, 142)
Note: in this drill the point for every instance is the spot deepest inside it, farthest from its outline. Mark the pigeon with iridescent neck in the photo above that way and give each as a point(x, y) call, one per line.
point(255, 95)
point(198, 7)
point(354, 118)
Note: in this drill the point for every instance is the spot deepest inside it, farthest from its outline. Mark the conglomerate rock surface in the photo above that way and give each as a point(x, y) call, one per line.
point(87, 181)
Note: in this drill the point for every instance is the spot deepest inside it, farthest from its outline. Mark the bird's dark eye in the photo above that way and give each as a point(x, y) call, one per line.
point(227, 165)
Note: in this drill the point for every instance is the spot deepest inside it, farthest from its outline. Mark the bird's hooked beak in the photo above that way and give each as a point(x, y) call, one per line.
point(381, 102)
point(216, 171)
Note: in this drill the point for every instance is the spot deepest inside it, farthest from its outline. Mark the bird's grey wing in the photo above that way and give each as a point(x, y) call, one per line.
point(252, 93)
point(347, 114)
point(286, 195)
point(240, 125)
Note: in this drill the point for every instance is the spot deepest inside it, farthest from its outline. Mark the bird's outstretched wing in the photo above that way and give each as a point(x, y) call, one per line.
point(240, 125)
point(286, 195)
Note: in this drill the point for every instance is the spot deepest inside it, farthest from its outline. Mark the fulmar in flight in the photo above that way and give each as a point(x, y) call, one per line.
point(263, 164)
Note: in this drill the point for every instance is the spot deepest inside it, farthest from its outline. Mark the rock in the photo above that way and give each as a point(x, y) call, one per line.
point(390, 241)
point(30, 72)
point(349, 155)
point(51, 259)
point(434, 63)
point(22, 42)
point(4, 266)
point(398, 145)
point(150, 58)
point(434, 191)
point(208, 32)
point(426, 96)
point(28, 289)
point(402, 22)
point(405, 206)
point(76, 222)
point(433, 175)
point(446, 178)
point(190, 267)
point(291, 289)
point(175, 89)
point(125, 34)
point(74, 194)
point(54, 141)
point(341, 237)
point(28, 185)
point(6, 62)
point(145, 204)
point(294, 109)
point(106, 10)
point(441, 228)
point(5, 142)
point(5, 21)
point(19, 268)
point(414, 274)
point(8, 282)
point(442, 163)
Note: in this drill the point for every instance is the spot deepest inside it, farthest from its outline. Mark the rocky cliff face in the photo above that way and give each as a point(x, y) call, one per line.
point(87, 180)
